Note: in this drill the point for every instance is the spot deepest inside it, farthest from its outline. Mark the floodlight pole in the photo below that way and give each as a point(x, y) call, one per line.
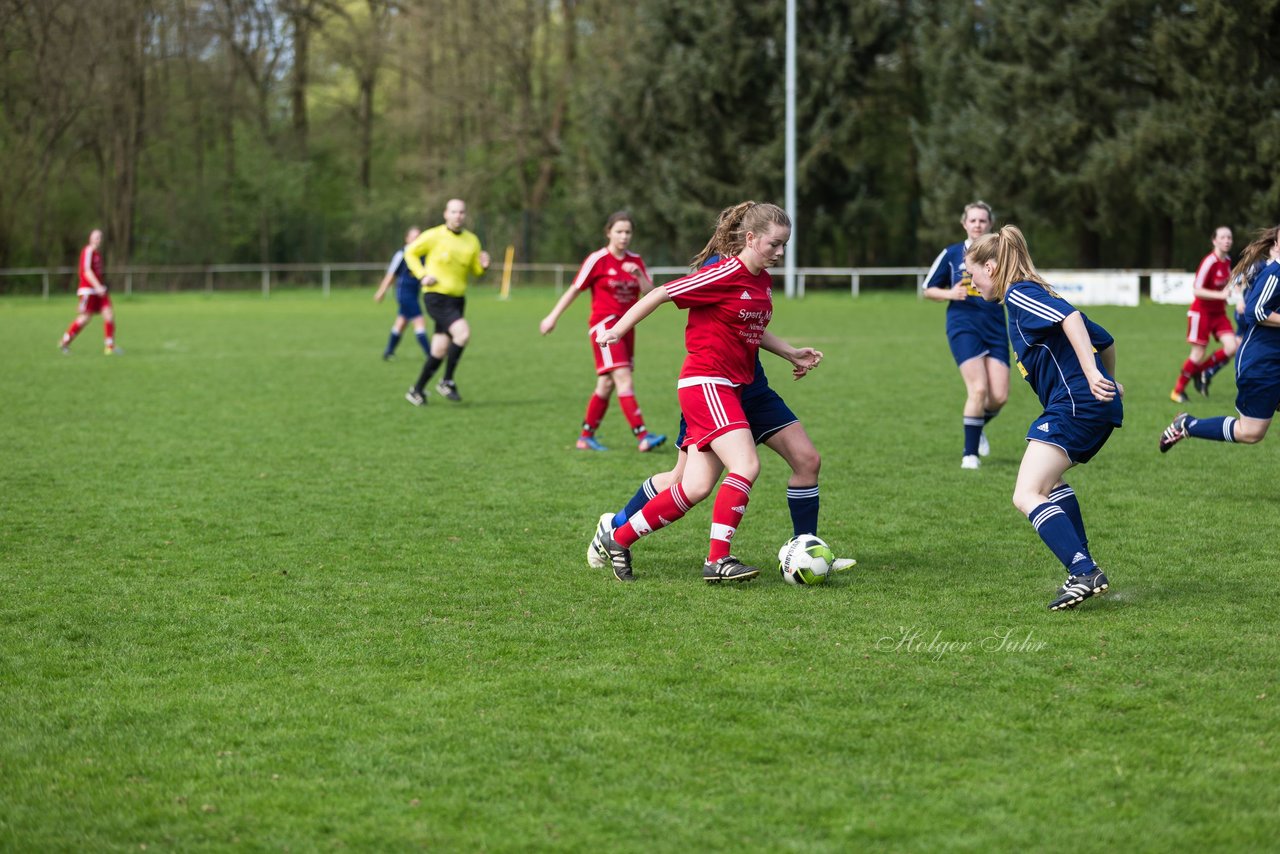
point(790, 203)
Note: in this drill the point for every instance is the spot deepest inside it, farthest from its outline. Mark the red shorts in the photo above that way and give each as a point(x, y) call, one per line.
point(610, 357)
point(1200, 325)
point(93, 303)
point(710, 410)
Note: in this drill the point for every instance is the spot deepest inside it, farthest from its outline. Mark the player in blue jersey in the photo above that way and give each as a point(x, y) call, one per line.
point(407, 288)
point(1070, 363)
point(772, 424)
point(976, 332)
point(1257, 368)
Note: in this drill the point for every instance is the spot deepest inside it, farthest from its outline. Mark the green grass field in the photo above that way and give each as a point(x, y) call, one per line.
point(251, 598)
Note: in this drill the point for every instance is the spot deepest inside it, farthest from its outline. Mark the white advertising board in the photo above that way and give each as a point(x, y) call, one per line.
point(1172, 287)
point(1094, 287)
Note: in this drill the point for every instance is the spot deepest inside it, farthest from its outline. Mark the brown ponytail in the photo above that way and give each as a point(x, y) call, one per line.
point(732, 227)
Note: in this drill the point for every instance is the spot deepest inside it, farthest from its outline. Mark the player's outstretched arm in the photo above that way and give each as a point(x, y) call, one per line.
point(382, 288)
point(644, 307)
point(549, 322)
point(802, 359)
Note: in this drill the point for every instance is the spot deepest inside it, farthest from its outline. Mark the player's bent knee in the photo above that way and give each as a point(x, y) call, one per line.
point(696, 492)
point(1249, 436)
point(807, 463)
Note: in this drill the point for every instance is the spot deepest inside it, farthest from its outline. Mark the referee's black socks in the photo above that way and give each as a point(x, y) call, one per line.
point(427, 370)
point(452, 357)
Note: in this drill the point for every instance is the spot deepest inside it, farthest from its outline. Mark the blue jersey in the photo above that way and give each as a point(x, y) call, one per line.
point(972, 314)
point(407, 286)
point(1262, 298)
point(1254, 282)
point(1047, 359)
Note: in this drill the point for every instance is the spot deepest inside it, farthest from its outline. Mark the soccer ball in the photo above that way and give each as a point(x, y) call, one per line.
point(805, 560)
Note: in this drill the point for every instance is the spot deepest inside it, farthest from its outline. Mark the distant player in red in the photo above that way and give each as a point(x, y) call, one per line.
point(94, 298)
point(1208, 316)
point(616, 278)
point(730, 304)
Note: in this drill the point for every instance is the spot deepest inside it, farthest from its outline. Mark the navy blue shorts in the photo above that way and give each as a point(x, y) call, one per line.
point(968, 344)
point(445, 310)
point(1258, 394)
point(410, 308)
point(1081, 440)
point(766, 411)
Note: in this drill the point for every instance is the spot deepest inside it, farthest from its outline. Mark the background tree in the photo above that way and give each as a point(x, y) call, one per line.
point(1117, 133)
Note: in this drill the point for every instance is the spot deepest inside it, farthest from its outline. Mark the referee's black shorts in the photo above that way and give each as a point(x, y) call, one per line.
point(445, 310)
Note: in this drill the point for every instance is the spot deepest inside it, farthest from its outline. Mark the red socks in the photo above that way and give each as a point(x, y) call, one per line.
point(731, 503)
point(631, 409)
point(72, 331)
point(597, 406)
point(1216, 359)
point(659, 512)
point(671, 504)
point(1189, 369)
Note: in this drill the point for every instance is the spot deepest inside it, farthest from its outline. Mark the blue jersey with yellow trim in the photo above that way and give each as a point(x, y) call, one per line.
point(1047, 359)
point(973, 313)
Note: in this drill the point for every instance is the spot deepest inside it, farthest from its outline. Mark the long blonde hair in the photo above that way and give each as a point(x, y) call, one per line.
point(732, 226)
point(1257, 250)
point(1008, 249)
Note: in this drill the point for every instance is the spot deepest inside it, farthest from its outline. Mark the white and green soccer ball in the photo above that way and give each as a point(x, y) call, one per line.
point(805, 559)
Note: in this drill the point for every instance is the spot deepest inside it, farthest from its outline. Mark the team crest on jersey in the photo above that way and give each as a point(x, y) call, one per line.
point(1043, 428)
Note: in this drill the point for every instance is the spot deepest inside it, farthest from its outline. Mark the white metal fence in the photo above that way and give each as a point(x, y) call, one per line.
point(212, 278)
point(266, 277)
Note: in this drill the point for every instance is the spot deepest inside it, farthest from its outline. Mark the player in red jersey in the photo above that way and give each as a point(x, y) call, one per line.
point(1208, 316)
point(730, 304)
point(94, 298)
point(616, 278)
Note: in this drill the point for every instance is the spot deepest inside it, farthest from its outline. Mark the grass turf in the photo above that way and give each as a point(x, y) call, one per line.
point(250, 597)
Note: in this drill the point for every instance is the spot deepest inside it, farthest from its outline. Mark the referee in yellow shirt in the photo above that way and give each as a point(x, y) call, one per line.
point(444, 259)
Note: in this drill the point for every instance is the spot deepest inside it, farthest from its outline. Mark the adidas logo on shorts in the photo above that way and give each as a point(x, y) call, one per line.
point(1043, 428)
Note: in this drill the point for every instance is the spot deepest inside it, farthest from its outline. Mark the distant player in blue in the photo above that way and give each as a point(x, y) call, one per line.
point(772, 424)
point(976, 332)
point(407, 289)
point(1070, 362)
point(1257, 370)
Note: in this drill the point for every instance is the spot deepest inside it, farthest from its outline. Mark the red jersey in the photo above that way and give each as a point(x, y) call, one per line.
point(613, 290)
point(1212, 276)
point(92, 260)
point(729, 309)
